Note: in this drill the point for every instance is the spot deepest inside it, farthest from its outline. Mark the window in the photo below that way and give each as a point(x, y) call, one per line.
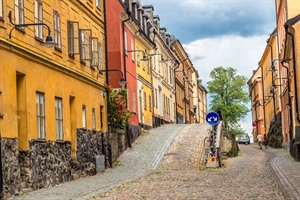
point(132, 47)
point(125, 41)
point(138, 56)
point(19, 12)
point(57, 34)
point(100, 56)
point(155, 97)
point(85, 44)
point(98, 4)
point(73, 41)
point(134, 101)
point(101, 116)
point(59, 118)
point(150, 105)
point(145, 101)
point(94, 52)
point(38, 18)
point(1, 9)
point(83, 116)
point(40, 116)
point(94, 118)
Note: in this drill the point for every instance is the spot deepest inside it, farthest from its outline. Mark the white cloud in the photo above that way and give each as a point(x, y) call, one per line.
point(241, 53)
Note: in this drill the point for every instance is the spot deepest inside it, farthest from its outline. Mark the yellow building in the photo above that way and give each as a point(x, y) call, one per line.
point(52, 100)
point(144, 82)
point(270, 93)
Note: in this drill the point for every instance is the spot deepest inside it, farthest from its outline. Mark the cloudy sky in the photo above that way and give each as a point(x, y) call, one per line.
point(228, 33)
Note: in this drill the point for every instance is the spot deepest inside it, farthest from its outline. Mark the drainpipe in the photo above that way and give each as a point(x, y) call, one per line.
point(263, 93)
point(295, 78)
point(176, 110)
point(295, 73)
point(290, 101)
point(107, 79)
point(125, 74)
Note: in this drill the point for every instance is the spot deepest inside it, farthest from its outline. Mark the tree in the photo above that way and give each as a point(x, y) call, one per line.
point(228, 94)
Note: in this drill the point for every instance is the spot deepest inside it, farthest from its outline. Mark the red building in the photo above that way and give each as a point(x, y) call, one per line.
point(120, 43)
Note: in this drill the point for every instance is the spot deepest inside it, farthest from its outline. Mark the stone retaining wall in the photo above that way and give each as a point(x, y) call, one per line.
point(10, 167)
point(49, 163)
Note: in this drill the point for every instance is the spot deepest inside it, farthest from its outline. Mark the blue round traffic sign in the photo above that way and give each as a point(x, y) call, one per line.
point(212, 118)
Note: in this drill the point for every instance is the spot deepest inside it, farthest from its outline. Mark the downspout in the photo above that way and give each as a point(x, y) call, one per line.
point(290, 101)
point(125, 74)
point(176, 110)
point(295, 73)
point(106, 77)
point(263, 93)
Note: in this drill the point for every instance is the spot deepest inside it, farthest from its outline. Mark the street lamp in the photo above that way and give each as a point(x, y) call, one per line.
point(122, 81)
point(49, 41)
point(145, 58)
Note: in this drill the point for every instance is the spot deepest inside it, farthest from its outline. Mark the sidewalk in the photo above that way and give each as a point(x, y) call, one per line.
point(145, 155)
point(287, 170)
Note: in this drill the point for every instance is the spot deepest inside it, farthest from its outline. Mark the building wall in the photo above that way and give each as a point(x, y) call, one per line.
point(29, 68)
point(143, 70)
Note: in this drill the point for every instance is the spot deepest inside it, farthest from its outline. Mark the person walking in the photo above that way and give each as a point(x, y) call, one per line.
point(259, 140)
point(265, 141)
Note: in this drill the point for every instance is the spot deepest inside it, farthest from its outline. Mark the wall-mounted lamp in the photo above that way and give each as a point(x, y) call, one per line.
point(49, 41)
point(122, 81)
point(157, 54)
point(145, 58)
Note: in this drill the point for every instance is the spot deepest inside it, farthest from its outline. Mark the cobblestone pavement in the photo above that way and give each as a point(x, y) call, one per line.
point(249, 176)
point(145, 155)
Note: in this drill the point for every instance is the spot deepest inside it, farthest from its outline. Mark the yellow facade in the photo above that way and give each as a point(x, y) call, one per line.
point(144, 82)
point(269, 93)
point(28, 68)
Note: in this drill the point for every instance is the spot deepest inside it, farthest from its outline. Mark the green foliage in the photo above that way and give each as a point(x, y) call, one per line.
point(118, 112)
point(237, 130)
point(228, 93)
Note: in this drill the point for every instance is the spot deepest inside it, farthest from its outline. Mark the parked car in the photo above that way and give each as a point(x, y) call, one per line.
point(243, 139)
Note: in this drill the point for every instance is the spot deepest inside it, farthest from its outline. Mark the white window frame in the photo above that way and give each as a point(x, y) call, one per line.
point(132, 47)
point(134, 101)
point(83, 116)
point(94, 53)
point(98, 4)
point(57, 29)
point(73, 38)
point(40, 115)
point(59, 118)
point(19, 13)
point(85, 37)
point(100, 56)
point(125, 42)
point(38, 18)
point(94, 118)
point(1, 10)
point(138, 56)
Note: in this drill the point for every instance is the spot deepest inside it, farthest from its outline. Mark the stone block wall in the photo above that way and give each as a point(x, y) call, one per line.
point(11, 178)
point(89, 144)
point(49, 163)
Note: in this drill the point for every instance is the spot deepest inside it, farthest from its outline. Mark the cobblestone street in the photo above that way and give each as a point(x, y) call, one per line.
point(168, 163)
point(249, 176)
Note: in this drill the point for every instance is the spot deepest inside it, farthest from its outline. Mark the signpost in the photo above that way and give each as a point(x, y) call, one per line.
point(213, 161)
point(212, 118)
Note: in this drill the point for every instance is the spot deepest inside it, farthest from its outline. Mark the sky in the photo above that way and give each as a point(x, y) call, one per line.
point(228, 33)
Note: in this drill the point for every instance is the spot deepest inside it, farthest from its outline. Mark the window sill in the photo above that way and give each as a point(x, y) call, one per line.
point(58, 49)
point(41, 140)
